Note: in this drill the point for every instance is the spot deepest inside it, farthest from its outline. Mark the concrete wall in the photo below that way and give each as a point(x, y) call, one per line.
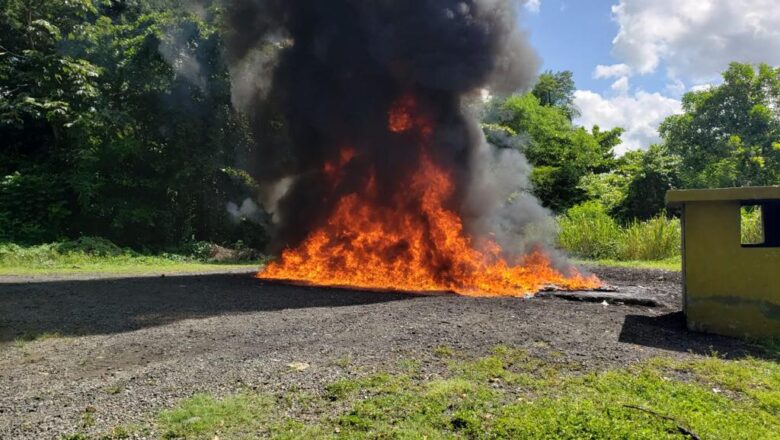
point(729, 289)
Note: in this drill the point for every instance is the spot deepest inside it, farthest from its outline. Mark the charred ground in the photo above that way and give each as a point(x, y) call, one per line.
point(124, 348)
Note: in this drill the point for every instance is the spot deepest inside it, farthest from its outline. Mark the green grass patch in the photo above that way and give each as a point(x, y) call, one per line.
point(670, 264)
point(507, 395)
point(444, 351)
point(23, 340)
point(588, 231)
point(204, 415)
point(126, 268)
point(95, 255)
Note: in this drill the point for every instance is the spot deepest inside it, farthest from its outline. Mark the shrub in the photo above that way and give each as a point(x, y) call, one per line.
point(33, 207)
point(655, 239)
point(95, 246)
point(588, 231)
point(752, 226)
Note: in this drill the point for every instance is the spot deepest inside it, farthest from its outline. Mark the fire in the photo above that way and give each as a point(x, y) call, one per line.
point(413, 243)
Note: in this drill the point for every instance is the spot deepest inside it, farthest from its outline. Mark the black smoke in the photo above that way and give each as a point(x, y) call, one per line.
point(318, 76)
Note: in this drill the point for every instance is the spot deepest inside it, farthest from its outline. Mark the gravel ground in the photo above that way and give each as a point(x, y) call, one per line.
point(128, 347)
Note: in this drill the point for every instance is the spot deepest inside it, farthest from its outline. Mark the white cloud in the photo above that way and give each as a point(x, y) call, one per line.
point(613, 71)
point(675, 87)
point(621, 86)
point(533, 5)
point(639, 114)
point(696, 39)
point(701, 87)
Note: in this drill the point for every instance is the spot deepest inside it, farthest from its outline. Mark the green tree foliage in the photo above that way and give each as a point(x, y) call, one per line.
point(651, 174)
point(116, 120)
point(47, 98)
point(729, 135)
point(635, 188)
point(556, 89)
point(560, 152)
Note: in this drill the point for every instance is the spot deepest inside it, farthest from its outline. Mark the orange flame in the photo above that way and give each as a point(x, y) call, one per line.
point(414, 243)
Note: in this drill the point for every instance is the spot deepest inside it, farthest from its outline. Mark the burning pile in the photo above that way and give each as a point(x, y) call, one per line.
point(382, 177)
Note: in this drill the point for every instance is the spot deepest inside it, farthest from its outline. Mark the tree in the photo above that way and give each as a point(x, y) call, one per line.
point(117, 121)
point(635, 188)
point(560, 152)
point(729, 135)
point(47, 100)
point(556, 89)
point(651, 174)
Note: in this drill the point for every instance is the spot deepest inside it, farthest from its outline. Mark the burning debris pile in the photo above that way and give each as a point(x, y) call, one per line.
point(381, 176)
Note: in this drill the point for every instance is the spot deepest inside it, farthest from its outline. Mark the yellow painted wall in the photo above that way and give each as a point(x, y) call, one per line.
point(729, 289)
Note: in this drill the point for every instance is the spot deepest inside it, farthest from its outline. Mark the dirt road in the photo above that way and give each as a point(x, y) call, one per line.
point(122, 349)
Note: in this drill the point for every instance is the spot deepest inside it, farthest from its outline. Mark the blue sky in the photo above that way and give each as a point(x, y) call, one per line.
point(633, 59)
point(574, 35)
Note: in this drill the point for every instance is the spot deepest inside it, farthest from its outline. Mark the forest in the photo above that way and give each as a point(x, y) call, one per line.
point(117, 121)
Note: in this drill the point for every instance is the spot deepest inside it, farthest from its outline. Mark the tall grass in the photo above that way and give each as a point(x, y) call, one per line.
point(588, 231)
point(752, 225)
point(656, 239)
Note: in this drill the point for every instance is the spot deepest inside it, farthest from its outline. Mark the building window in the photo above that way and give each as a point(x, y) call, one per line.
point(760, 224)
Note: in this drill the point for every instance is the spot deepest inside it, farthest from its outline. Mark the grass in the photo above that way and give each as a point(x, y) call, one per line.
point(124, 267)
point(751, 225)
point(588, 231)
point(94, 255)
point(22, 341)
point(114, 389)
point(505, 395)
point(670, 264)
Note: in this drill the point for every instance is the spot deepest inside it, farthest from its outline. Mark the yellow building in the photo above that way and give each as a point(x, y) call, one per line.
point(730, 287)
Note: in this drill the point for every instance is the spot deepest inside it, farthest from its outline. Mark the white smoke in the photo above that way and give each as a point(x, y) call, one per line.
point(252, 76)
point(178, 50)
point(248, 211)
point(499, 203)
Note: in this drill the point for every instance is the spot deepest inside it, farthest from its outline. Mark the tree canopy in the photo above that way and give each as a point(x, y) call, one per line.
point(560, 152)
point(116, 120)
point(729, 135)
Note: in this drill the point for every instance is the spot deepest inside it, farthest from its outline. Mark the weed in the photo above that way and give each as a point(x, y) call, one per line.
point(409, 366)
point(88, 418)
point(26, 338)
point(343, 362)
point(444, 351)
point(115, 389)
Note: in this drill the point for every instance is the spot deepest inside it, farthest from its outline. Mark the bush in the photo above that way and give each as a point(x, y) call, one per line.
point(655, 239)
point(33, 207)
point(752, 226)
point(588, 231)
point(61, 253)
point(95, 246)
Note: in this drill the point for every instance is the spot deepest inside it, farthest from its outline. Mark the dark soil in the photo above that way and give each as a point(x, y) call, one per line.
point(127, 348)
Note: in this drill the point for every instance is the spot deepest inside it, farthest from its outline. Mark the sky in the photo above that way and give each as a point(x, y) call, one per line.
point(634, 59)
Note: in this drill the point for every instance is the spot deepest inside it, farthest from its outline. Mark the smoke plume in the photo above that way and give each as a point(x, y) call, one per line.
point(319, 76)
